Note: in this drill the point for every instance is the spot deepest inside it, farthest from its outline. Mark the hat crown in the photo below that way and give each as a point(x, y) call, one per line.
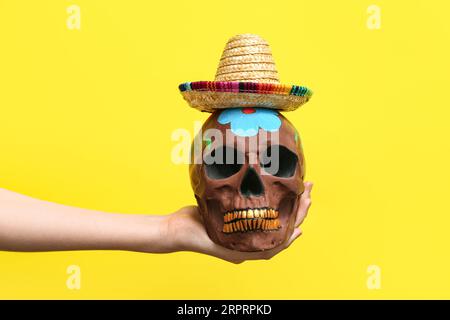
point(247, 58)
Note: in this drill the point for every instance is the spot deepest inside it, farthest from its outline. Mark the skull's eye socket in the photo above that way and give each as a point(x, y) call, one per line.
point(279, 161)
point(223, 162)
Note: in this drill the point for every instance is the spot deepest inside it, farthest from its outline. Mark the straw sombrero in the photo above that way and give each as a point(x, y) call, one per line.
point(246, 77)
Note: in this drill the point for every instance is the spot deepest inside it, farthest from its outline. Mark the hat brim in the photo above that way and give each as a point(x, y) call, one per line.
point(213, 95)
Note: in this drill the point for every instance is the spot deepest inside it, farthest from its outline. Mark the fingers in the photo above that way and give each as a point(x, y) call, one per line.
point(305, 203)
point(297, 233)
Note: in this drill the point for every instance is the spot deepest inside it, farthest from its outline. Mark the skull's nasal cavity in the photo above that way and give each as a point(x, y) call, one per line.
point(251, 184)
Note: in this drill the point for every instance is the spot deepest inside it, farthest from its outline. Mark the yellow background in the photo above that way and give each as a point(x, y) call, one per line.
point(86, 118)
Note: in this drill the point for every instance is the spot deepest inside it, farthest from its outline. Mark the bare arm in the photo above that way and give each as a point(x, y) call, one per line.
point(28, 224)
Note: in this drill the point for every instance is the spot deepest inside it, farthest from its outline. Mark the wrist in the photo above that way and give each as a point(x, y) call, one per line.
point(144, 233)
point(166, 233)
point(174, 232)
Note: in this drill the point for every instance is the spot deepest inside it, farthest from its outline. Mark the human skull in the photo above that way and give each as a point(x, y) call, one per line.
point(247, 176)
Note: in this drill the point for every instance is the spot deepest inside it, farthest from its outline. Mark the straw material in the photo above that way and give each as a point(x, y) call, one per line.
point(247, 58)
point(262, 67)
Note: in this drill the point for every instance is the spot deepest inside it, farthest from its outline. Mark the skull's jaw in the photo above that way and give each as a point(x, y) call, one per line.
point(272, 228)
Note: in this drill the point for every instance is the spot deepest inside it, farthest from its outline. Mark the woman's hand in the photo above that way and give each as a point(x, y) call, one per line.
point(187, 221)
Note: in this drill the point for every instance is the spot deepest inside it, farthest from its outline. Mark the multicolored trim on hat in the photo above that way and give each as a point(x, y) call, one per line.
point(246, 87)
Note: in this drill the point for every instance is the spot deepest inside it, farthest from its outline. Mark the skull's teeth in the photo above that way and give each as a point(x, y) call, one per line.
point(254, 224)
point(251, 220)
point(266, 213)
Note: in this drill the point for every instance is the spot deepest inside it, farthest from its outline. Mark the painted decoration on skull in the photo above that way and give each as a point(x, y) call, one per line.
point(245, 122)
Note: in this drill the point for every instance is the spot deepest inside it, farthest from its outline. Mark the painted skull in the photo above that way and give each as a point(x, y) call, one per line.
point(247, 175)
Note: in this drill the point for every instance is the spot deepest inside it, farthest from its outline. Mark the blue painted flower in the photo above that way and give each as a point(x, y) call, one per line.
point(245, 122)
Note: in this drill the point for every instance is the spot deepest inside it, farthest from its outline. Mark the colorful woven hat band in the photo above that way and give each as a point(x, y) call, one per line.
point(246, 87)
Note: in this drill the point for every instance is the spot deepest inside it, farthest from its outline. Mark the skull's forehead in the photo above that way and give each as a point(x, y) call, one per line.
point(286, 135)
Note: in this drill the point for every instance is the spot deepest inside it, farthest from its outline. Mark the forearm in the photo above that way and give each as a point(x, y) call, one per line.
point(28, 224)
